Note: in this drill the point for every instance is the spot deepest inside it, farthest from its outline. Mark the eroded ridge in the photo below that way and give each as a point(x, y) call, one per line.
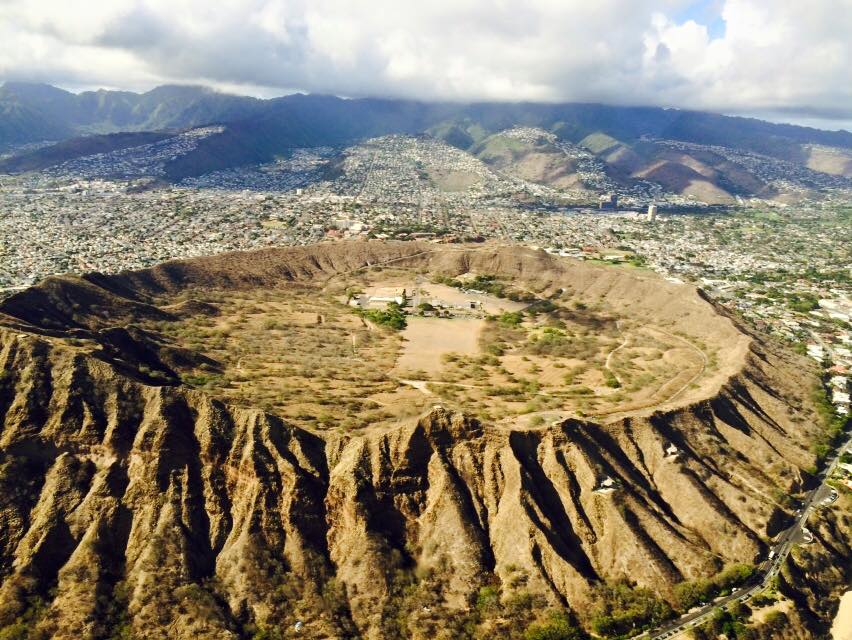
point(133, 499)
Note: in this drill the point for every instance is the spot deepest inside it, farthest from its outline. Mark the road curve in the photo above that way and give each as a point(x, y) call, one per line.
point(767, 570)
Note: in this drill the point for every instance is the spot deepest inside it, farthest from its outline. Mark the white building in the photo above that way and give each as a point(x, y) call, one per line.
point(816, 352)
point(607, 485)
point(840, 397)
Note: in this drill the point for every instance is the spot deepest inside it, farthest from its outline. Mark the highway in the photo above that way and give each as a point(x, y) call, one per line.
point(823, 495)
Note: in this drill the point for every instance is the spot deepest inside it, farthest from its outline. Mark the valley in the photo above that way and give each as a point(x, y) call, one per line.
point(302, 352)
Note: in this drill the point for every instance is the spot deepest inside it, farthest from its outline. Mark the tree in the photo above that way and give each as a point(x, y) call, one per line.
point(511, 318)
point(775, 620)
point(622, 609)
point(556, 627)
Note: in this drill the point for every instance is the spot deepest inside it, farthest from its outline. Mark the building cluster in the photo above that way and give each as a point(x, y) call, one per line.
point(52, 226)
point(785, 176)
point(292, 173)
point(416, 301)
point(148, 160)
point(784, 268)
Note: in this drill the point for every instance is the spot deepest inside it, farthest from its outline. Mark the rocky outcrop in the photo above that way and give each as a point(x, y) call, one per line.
point(815, 576)
point(137, 503)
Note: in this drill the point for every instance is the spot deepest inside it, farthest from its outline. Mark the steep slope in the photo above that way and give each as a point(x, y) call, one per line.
point(76, 148)
point(264, 128)
point(815, 577)
point(20, 124)
point(622, 162)
point(57, 106)
point(531, 156)
point(714, 168)
point(55, 114)
point(829, 160)
point(687, 170)
point(305, 121)
point(462, 133)
point(680, 178)
point(133, 502)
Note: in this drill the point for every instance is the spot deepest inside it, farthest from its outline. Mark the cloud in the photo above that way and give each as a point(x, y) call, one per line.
point(783, 57)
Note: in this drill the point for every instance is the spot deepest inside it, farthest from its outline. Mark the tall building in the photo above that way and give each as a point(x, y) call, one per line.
point(652, 212)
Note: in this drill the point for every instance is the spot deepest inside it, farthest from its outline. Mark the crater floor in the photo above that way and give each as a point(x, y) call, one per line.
point(313, 353)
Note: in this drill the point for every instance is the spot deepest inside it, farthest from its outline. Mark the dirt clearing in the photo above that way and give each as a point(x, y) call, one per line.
point(426, 340)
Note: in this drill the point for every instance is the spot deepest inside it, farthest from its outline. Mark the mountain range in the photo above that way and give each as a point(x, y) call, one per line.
point(627, 139)
point(35, 112)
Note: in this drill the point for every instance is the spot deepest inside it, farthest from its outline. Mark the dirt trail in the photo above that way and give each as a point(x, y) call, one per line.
point(655, 400)
point(694, 378)
point(610, 355)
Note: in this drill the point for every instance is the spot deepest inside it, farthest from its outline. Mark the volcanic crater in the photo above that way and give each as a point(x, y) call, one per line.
point(371, 439)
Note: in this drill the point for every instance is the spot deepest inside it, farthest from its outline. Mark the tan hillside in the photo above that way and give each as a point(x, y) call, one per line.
point(538, 162)
point(689, 179)
point(831, 160)
point(221, 448)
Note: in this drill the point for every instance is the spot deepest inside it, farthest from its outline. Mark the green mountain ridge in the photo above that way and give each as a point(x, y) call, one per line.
point(174, 106)
point(257, 131)
point(55, 114)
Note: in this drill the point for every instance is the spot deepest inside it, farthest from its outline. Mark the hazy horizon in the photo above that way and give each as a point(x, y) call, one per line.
point(785, 62)
point(814, 123)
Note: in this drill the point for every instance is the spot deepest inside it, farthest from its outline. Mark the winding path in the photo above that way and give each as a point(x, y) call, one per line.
point(693, 378)
point(609, 356)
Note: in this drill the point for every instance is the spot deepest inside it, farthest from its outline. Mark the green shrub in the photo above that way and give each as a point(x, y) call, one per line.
point(763, 599)
point(392, 317)
point(611, 380)
point(775, 620)
point(511, 318)
point(24, 627)
point(556, 627)
point(15, 631)
point(488, 598)
point(626, 610)
point(689, 594)
point(495, 349)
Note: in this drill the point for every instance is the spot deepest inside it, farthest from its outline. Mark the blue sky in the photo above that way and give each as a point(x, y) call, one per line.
point(707, 13)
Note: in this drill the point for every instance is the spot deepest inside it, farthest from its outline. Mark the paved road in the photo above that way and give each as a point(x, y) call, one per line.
point(795, 534)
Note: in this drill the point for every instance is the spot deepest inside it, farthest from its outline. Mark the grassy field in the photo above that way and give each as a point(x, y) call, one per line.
point(297, 352)
point(565, 362)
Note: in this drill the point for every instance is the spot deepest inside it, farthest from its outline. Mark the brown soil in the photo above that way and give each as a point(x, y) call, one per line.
point(132, 502)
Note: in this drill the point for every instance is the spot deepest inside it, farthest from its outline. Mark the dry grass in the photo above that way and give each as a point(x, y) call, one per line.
point(297, 352)
point(429, 340)
point(301, 352)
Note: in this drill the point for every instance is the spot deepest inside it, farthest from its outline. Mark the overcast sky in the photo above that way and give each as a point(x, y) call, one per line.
point(788, 60)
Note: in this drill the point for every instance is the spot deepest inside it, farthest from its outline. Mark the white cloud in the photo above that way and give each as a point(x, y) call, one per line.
point(784, 56)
